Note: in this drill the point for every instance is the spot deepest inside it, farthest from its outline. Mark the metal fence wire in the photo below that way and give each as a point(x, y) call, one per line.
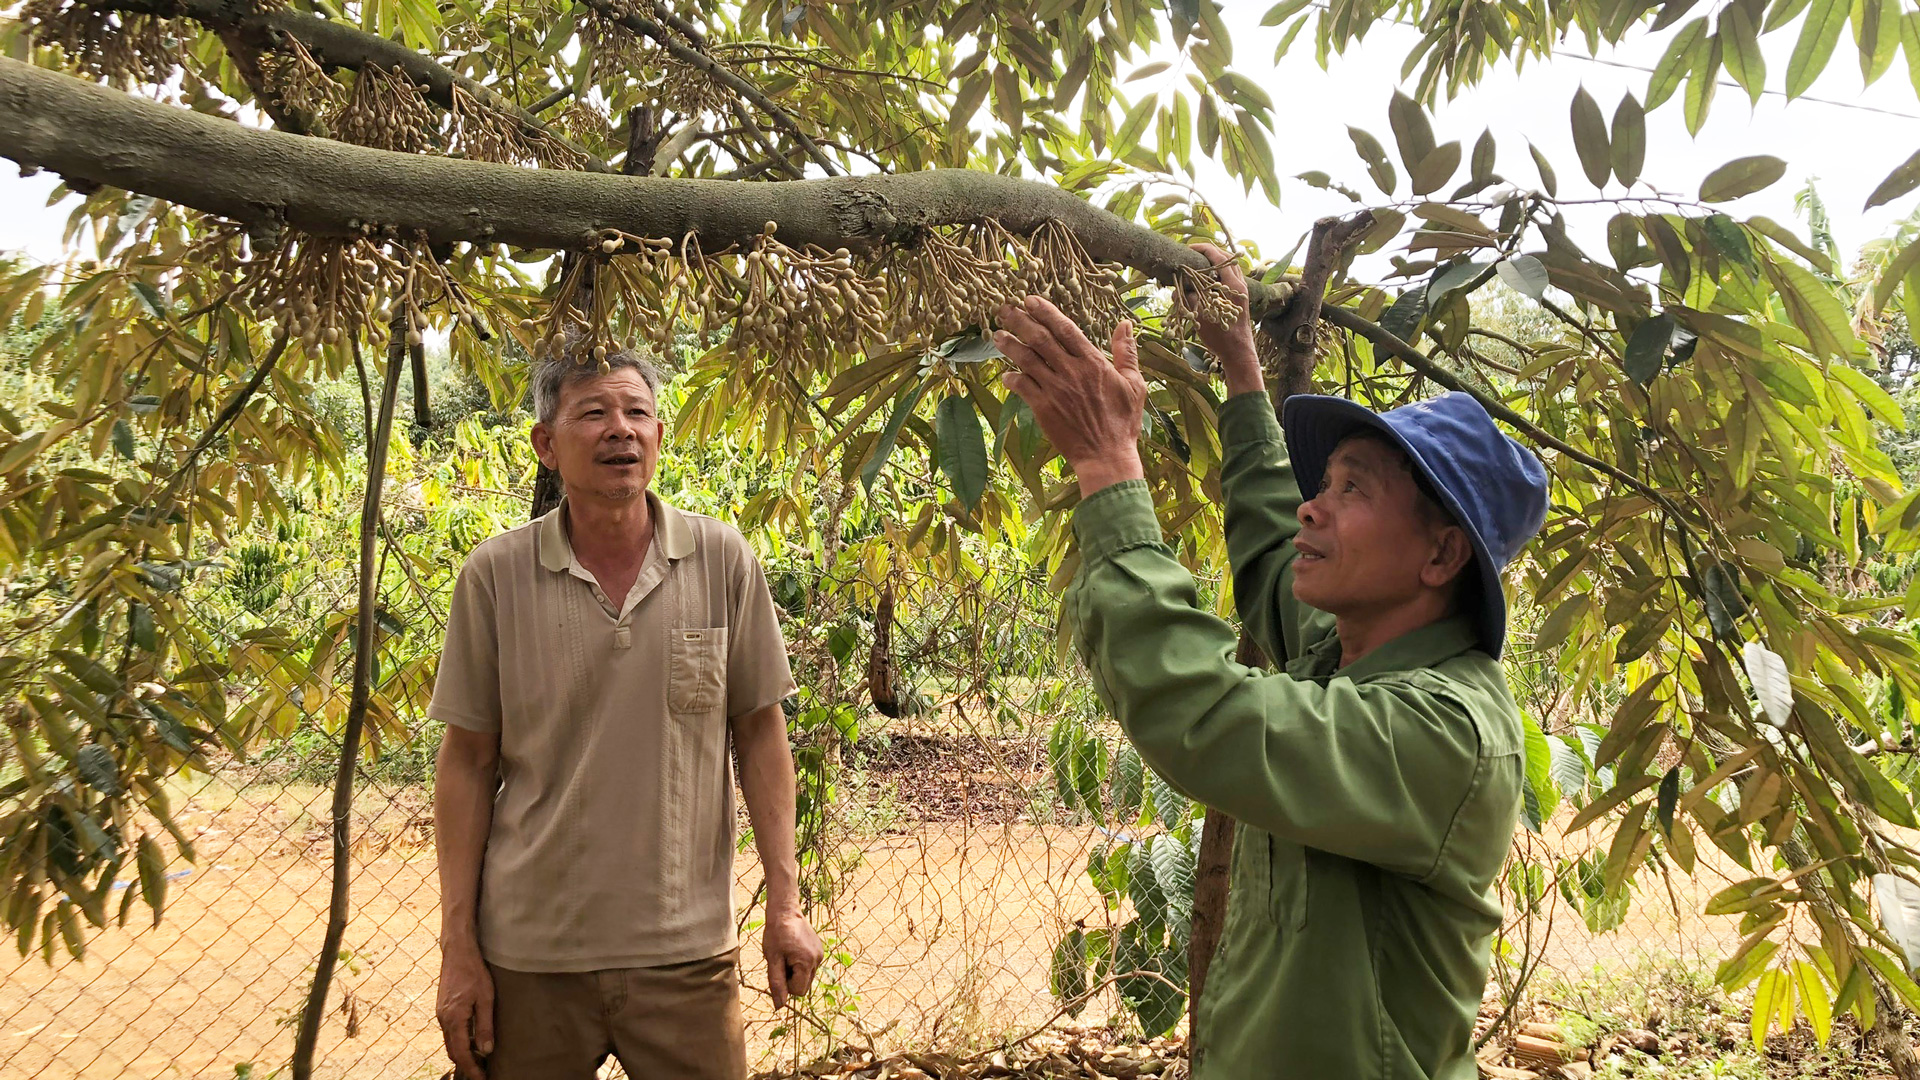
point(944, 862)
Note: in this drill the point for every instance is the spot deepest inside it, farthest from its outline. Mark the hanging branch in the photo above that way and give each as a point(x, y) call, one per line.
point(363, 663)
point(337, 44)
point(718, 72)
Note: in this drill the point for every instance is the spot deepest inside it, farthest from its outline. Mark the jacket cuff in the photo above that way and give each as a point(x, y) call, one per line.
point(1114, 519)
point(1248, 418)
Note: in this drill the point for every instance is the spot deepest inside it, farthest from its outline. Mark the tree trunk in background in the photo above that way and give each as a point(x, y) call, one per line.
point(546, 491)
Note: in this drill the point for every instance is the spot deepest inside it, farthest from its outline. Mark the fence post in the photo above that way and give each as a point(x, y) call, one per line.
point(363, 646)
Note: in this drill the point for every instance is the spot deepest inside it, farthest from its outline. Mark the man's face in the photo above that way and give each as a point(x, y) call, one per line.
point(1364, 545)
point(605, 437)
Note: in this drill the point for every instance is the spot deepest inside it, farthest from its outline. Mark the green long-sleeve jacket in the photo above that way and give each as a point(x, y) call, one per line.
point(1376, 801)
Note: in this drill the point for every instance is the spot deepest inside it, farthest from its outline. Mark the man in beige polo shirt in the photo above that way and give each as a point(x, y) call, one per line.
point(599, 663)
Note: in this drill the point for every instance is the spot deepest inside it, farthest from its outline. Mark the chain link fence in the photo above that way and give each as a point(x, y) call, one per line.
point(943, 860)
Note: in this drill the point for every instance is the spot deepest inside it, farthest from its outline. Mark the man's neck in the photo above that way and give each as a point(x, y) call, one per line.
point(1362, 634)
point(609, 533)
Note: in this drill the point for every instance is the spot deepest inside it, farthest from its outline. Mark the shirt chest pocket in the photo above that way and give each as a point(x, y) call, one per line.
point(697, 669)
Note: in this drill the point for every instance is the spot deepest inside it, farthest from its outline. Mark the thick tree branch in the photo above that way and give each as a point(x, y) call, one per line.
point(337, 44)
point(82, 129)
point(715, 70)
point(1292, 327)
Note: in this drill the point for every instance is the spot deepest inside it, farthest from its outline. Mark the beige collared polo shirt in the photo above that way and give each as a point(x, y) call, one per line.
point(612, 840)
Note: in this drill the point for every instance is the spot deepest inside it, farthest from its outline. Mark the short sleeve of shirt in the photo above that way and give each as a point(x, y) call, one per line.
point(466, 693)
point(758, 673)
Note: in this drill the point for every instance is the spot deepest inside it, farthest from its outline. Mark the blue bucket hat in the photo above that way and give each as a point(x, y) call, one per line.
point(1494, 487)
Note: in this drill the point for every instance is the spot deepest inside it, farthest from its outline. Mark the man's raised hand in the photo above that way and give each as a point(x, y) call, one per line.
point(1232, 343)
point(1087, 404)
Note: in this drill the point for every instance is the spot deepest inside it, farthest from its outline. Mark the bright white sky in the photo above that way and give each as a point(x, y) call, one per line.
point(1849, 150)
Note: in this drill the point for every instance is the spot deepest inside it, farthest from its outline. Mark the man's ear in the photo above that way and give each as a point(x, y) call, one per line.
point(543, 446)
point(1450, 556)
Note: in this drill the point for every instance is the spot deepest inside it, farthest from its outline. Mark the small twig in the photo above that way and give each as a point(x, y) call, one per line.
point(692, 56)
point(551, 100)
point(1079, 1001)
point(1293, 327)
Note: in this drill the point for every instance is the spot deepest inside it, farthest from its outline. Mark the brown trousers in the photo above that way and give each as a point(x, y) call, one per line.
point(679, 1021)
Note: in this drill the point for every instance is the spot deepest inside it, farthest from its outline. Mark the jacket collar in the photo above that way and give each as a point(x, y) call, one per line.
point(1430, 645)
point(671, 532)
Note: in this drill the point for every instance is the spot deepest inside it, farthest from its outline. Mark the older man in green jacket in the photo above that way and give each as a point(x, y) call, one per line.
point(1377, 776)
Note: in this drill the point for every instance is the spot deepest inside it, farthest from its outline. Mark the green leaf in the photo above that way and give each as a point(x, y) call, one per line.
point(1411, 132)
point(88, 670)
point(1870, 394)
point(1766, 998)
point(123, 438)
point(1524, 274)
point(1547, 182)
point(140, 622)
point(1676, 62)
point(1403, 319)
point(1741, 176)
point(1434, 170)
point(1818, 35)
point(1143, 888)
point(1898, 183)
point(1089, 761)
point(1664, 800)
point(97, 767)
point(1629, 151)
point(1590, 138)
point(883, 448)
point(1481, 167)
point(153, 875)
point(1647, 348)
point(150, 299)
point(1740, 49)
point(1542, 795)
point(1742, 967)
point(1062, 741)
point(1448, 278)
point(1069, 977)
point(1889, 970)
point(1909, 27)
point(842, 640)
point(1171, 807)
point(1568, 768)
point(1371, 152)
point(1173, 869)
point(963, 449)
point(1136, 122)
point(1129, 784)
point(1877, 33)
point(1702, 80)
point(23, 450)
point(1283, 11)
point(1729, 238)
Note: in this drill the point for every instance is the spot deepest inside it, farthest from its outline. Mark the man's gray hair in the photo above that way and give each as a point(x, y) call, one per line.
point(569, 363)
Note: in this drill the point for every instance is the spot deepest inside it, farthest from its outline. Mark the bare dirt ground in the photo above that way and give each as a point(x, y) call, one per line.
point(948, 912)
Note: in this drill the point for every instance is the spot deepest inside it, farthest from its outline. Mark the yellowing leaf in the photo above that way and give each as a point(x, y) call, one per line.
point(1814, 1001)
